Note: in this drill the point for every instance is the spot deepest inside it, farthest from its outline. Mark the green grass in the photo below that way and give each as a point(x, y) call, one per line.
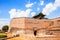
point(2, 35)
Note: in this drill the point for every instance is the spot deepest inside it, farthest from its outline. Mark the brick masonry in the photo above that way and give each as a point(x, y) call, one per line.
point(43, 27)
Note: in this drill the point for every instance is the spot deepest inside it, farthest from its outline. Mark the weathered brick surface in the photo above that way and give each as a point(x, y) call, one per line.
point(37, 23)
point(17, 22)
point(42, 26)
point(47, 38)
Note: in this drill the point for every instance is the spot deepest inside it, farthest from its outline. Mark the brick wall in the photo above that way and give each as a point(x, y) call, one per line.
point(42, 26)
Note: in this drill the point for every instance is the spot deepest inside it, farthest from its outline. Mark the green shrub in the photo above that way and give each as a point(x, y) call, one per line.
point(2, 35)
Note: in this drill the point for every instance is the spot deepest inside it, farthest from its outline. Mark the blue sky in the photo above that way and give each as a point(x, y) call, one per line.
point(27, 8)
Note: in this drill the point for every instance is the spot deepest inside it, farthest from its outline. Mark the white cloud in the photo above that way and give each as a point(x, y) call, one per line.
point(29, 5)
point(21, 13)
point(41, 2)
point(24, 13)
point(38, 9)
point(51, 7)
point(33, 13)
point(57, 3)
point(12, 12)
point(48, 8)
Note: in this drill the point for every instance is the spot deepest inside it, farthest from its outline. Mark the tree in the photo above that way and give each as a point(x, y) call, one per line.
point(39, 16)
point(5, 28)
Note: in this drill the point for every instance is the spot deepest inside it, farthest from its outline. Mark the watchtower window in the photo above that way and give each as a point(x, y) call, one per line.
point(35, 32)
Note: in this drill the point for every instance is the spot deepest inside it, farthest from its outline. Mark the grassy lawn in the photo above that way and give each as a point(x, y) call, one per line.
point(2, 35)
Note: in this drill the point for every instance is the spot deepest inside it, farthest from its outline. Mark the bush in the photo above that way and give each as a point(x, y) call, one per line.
point(3, 35)
point(5, 28)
